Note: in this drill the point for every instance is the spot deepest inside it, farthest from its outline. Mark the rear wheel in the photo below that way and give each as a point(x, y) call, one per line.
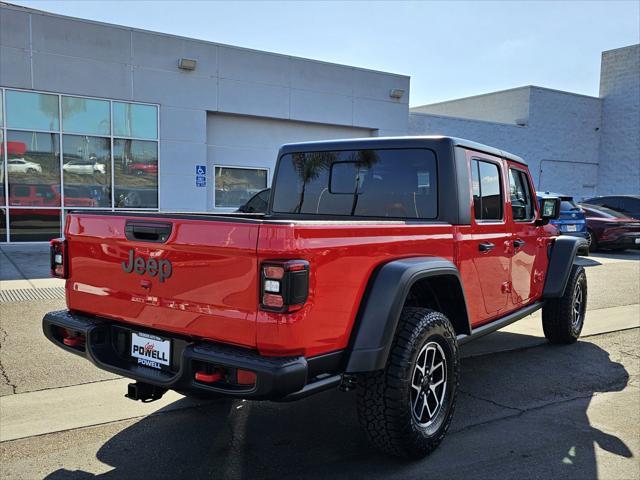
point(592, 241)
point(407, 408)
point(563, 318)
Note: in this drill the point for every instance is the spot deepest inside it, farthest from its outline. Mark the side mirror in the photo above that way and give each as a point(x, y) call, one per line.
point(549, 209)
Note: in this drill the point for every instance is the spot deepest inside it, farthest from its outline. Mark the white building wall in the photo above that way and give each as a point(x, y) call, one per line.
point(507, 106)
point(620, 143)
point(241, 141)
point(560, 141)
point(49, 52)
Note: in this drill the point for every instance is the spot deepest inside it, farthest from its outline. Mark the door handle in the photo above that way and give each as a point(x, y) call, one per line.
point(517, 243)
point(485, 246)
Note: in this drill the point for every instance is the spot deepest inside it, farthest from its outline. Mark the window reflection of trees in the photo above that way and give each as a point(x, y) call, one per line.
point(310, 166)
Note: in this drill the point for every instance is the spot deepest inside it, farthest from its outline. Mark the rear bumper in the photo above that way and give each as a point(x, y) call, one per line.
point(625, 240)
point(107, 346)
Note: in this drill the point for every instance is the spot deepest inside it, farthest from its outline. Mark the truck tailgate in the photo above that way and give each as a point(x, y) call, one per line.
point(201, 281)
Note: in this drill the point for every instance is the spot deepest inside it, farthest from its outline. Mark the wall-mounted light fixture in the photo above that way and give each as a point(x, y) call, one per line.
point(396, 93)
point(187, 64)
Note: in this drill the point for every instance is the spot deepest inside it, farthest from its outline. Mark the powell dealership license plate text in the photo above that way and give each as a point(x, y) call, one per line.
point(151, 351)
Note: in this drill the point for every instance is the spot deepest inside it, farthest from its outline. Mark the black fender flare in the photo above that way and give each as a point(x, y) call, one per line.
point(561, 257)
point(382, 305)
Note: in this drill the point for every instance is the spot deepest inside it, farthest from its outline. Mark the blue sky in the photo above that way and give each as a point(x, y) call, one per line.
point(450, 49)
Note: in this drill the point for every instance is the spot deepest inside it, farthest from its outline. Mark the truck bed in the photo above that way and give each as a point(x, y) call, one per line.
point(213, 289)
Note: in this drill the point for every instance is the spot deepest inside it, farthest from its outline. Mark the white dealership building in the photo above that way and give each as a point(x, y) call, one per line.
point(100, 116)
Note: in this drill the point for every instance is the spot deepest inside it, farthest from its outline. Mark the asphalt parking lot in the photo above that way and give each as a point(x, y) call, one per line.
point(526, 409)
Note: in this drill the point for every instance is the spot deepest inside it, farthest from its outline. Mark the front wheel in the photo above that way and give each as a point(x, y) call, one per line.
point(563, 318)
point(406, 409)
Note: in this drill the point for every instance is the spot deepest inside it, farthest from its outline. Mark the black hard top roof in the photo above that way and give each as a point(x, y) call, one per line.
point(395, 142)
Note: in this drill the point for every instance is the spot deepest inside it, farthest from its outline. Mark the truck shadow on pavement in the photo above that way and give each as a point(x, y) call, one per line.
point(520, 414)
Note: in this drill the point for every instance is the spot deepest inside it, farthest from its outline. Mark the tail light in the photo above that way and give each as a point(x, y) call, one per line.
point(284, 285)
point(59, 261)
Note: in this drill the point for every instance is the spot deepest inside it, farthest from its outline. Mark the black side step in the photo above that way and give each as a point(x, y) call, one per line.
point(500, 323)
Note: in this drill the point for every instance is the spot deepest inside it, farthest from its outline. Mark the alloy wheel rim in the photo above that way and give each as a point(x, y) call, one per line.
point(578, 301)
point(428, 384)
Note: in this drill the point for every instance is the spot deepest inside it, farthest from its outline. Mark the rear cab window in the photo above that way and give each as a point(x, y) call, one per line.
point(394, 183)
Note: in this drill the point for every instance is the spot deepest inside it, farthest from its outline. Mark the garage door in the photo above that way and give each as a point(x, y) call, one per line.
point(241, 151)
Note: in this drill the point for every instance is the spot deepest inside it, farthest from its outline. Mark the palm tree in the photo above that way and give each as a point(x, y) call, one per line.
point(308, 166)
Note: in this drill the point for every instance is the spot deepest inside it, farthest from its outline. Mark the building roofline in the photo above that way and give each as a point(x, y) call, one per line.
point(564, 92)
point(466, 119)
point(473, 96)
point(633, 45)
point(530, 87)
point(191, 39)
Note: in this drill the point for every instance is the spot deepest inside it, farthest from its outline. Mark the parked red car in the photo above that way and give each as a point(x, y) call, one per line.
point(142, 168)
point(16, 148)
point(45, 195)
point(608, 229)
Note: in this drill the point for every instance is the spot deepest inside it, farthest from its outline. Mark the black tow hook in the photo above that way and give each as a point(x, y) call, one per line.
point(144, 392)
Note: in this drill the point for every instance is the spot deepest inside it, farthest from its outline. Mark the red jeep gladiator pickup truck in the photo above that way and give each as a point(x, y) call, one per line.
point(376, 260)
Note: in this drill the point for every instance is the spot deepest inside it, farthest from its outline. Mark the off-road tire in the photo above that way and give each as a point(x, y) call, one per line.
point(559, 320)
point(385, 407)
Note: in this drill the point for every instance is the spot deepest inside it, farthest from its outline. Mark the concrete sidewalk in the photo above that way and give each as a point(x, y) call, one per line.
point(26, 267)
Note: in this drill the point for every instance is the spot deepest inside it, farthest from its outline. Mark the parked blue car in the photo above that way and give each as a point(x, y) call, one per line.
point(571, 220)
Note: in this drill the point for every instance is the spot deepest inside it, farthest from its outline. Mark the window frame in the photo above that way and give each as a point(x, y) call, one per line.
point(534, 203)
point(499, 164)
point(213, 176)
point(4, 209)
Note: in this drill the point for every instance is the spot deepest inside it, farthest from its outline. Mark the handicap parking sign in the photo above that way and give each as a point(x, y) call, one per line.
point(201, 175)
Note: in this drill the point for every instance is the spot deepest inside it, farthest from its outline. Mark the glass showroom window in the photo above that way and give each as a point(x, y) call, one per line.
point(33, 173)
point(32, 111)
point(87, 171)
point(3, 211)
point(33, 165)
point(86, 115)
point(235, 185)
point(62, 151)
point(86, 158)
point(135, 173)
point(134, 120)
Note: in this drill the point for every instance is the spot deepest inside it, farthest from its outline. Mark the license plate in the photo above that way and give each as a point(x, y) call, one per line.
point(151, 351)
point(637, 240)
point(572, 228)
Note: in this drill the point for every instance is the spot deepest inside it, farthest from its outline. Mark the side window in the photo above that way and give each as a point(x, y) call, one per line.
point(259, 203)
point(632, 205)
point(521, 198)
point(487, 191)
point(612, 203)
